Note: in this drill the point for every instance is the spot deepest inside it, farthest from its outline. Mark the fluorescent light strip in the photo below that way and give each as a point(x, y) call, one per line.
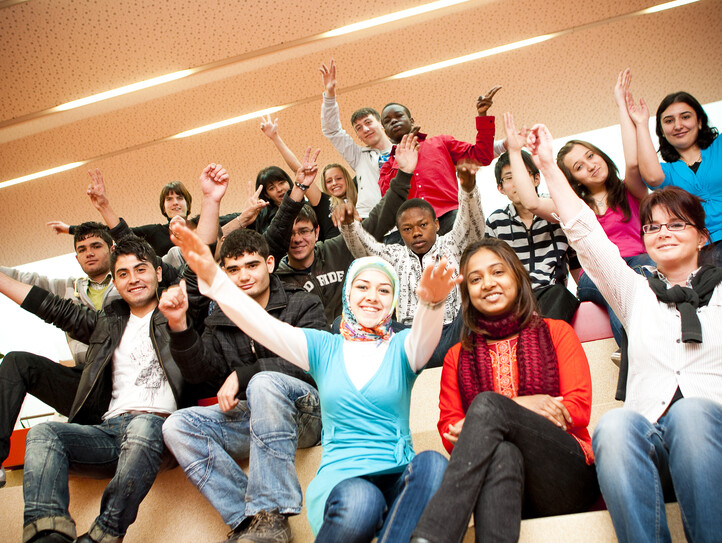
point(391, 17)
point(668, 5)
point(124, 90)
point(475, 56)
point(227, 122)
point(44, 173)
point(402, 75)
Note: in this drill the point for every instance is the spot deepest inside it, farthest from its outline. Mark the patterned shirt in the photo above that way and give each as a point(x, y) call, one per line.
point(468, 227)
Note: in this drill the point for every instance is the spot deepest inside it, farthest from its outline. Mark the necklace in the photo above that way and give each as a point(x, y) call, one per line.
point(695, 161)
point(601, 202)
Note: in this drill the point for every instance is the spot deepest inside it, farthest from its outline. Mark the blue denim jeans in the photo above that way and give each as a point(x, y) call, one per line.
point(587, 291)
point(358, 508)
point(281, 414)
point(128, 447)
point(639, 463)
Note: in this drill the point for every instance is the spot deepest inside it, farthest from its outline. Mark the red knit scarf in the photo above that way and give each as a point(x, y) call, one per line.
point(536, 359)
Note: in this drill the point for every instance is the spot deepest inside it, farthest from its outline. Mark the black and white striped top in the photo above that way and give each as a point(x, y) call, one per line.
point(543, 248)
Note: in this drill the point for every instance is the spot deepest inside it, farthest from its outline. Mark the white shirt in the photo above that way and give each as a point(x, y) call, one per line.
point(139, 382)
point(658, 360)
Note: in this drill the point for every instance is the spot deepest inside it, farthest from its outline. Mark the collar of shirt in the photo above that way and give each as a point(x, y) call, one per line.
point(667, 282)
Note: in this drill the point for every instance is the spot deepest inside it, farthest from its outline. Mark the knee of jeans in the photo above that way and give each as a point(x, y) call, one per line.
point(485, 404)
point(264, 386)
point(616, 430)
point(174, 427)
point(357, 503)
point(433, 465)
point(509, 456)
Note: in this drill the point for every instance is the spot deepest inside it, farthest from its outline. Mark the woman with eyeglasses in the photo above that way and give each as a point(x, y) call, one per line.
point(691, 151)
point(666, 440)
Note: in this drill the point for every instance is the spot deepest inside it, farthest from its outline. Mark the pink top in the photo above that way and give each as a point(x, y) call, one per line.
point(627, 236)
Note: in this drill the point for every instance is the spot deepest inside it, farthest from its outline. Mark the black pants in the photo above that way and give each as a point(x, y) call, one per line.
point(556, 302)
point(509, 463)
point(26, 373)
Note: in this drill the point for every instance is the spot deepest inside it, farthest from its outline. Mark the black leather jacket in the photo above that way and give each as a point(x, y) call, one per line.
point(102, 331)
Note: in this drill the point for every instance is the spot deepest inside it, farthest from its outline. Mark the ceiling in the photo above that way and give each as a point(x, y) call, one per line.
point(256, 54)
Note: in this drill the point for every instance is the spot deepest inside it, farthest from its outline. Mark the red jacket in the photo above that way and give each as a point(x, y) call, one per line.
point(434, 178)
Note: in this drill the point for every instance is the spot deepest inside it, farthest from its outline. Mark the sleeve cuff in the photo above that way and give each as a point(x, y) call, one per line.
point(184, 340)
point(34, 299)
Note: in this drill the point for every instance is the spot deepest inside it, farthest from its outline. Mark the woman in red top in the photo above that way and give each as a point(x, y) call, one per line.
point(520, 388)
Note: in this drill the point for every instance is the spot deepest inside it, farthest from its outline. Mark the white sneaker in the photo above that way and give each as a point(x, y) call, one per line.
point(2, 477)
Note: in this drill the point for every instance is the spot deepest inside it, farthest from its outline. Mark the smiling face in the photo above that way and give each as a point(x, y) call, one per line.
point(175, 205)
point(137, 283)
point(303, 241)
point(369, 130)
point(680, 125)
point(93, 255)
point(397, 123)
point(371, 297)
point(673, 250)
point(251, 273)
point(491, 284)
point(335, 182)
point(418, 229)
point(587, 167)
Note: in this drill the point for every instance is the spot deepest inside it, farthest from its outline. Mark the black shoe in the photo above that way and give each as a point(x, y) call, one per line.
point(85, 538)
point(268, 527)
point(49, 536)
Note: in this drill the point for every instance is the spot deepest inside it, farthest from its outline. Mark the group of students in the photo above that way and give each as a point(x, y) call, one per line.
point(316, 325)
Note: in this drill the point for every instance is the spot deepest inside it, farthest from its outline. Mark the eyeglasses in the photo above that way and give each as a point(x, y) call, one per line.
point(675, 226)
point(303, 232)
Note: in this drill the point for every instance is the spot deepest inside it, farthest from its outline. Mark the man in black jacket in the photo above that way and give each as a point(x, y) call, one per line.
point(128, 387)
point(267, 407)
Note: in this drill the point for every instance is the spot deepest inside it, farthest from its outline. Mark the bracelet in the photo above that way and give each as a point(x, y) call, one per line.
point(304, 188)
point(432, 305)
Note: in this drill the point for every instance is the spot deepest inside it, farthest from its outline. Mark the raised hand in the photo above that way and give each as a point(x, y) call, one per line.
point(196, 253)
point(253, 207)
point(622, 87)
point(59, 227)
point(540, 143)
point(452, 435)
point(407, 151)
point(638, 113)
point(214, 182)
point(227, 393)
point(174, 305)
point(96, 190)
point(514, 140)
point(344, 213)
point(328, 75)
point(268, 127)
point(485, 101)
point(466, 171)
point(436, 282)
point(308, 170)
point(546, 406)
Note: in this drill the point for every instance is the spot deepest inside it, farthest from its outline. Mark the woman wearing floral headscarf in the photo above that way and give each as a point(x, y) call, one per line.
point(369, 480)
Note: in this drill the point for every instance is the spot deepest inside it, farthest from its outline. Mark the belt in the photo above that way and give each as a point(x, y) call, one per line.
point(162, 415)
